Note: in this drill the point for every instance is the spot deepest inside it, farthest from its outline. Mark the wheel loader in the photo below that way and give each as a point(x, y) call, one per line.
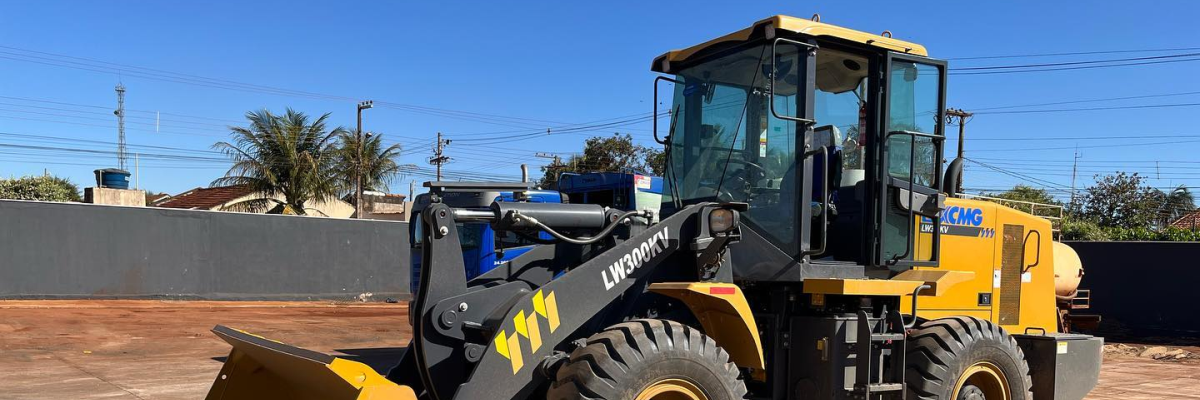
point(809, 246)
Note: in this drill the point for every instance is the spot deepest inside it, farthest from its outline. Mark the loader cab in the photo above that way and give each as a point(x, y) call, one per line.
point(832, 136)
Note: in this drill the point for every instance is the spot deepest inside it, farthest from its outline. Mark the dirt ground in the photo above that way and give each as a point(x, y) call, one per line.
point(126, 349)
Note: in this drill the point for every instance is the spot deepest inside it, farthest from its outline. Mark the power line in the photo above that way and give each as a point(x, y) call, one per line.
point(1090, 109)
point(977, 109)
point(1021, 71)
point(1077, 53)
point(124, 70)
point(1089, 62)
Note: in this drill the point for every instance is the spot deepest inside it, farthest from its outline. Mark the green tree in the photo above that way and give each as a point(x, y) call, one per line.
point(1022, 195)
point(378, 163)
point(1026, 193)
point(41, 188)
point(1122, 200)
point(289, 157)
point(616, 153)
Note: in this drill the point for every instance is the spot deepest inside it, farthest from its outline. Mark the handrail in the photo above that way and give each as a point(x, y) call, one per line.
point(824, 151)
point(1038, 253)
point(771, 81)
point(912, 169)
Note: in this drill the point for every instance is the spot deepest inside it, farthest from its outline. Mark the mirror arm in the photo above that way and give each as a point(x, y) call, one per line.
point(656, 80)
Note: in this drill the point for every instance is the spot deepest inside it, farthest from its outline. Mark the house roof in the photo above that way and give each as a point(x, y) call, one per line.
point(156, 198)
point(1190, 220)
point(206, 198)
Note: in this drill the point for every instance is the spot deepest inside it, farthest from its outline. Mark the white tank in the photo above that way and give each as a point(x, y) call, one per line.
point(1068, 270)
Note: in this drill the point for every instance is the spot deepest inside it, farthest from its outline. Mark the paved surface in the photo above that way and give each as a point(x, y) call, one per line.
point(163, 350)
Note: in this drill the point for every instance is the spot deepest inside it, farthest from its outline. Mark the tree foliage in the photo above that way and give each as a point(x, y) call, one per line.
point(1122, 200)
point(288, 156)
point(1021, 196)
point(41, 188)
point(615, 153)
point(1027, 194)
point(378, 162)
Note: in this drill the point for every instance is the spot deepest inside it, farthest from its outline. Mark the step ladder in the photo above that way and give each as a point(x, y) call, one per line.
point(874, 349)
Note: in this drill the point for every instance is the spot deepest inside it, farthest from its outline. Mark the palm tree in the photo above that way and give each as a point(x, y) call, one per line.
point(378, 166)
point(1177, 203)
point(288, 157)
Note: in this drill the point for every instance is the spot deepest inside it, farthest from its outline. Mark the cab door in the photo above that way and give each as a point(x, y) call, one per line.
point(911, 141)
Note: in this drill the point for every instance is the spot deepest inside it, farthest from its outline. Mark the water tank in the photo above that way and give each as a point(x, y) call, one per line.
point(112, 178)
point(1068, 270)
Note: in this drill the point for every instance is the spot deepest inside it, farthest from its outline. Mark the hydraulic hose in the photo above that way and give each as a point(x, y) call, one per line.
point(583, 240)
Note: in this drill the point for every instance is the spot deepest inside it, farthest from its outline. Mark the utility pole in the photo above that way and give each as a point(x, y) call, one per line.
point(962, 117)
point(120, 112)
point(439, 157)
point(1074, 169)
point(555, 163)
point(358, 161)
point(137, 172)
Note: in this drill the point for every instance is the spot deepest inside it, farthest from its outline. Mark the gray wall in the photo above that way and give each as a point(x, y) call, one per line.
point(1143, 288)
point(67, 250)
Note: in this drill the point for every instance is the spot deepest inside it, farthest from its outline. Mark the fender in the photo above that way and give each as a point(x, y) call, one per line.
point(725, 316)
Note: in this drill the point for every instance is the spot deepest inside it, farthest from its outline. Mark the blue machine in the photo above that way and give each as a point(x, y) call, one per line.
point(479, 241)
point(618, 190)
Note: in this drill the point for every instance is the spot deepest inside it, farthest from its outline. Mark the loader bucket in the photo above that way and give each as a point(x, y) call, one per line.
point(260, 368)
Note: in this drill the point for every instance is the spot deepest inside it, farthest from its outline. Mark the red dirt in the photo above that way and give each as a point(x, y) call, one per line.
point(144, 349)
point(127, 349)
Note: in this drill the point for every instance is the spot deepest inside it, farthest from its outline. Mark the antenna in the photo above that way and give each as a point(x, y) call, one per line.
point(120, 112)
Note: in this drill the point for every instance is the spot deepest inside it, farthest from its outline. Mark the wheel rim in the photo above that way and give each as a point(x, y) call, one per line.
point(672, 389)
point(982, 381)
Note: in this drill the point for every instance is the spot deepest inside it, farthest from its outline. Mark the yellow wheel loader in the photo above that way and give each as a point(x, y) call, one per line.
point(809, 247)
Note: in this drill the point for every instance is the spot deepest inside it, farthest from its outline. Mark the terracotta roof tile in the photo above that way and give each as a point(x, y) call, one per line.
point(206, 198)
point(1188, 221)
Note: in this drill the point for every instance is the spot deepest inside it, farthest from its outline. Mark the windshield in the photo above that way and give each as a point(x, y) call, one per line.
point(727, 146)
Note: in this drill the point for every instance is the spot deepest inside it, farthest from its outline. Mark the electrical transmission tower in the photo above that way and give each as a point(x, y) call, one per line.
point(439, 157)
point(120, 112)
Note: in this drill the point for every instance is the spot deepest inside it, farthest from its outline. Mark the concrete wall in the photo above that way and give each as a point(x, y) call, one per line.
point(114, 197)
point(1143, 288)
point(53, 250)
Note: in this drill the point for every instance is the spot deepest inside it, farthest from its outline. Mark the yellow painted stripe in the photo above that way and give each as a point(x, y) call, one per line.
point(519, 323)
point(535, 334)
point(502, 344)
point(539, 303)
point(552, 311)
point(514, 343)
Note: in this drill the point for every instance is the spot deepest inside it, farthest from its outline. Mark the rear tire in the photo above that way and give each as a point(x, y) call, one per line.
point(648, 359)
point(961, 358)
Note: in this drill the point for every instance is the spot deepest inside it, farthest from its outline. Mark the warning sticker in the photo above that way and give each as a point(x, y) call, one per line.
point(641, 182)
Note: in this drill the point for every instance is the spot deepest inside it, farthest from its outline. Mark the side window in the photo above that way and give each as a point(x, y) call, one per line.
point(913, 107)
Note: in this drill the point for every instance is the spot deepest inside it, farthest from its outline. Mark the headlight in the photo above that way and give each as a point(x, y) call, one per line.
point(722, 220)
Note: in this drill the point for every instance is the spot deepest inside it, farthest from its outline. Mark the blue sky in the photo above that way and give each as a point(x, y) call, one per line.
point(456, 67)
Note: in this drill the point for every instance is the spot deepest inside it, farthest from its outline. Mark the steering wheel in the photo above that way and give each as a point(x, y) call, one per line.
point(744, 181)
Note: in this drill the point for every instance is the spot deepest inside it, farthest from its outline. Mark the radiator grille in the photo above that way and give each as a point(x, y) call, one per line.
point(1012, 260)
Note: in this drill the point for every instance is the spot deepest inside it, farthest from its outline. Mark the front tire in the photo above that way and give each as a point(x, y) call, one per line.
point(648, 360)
point(965, 358)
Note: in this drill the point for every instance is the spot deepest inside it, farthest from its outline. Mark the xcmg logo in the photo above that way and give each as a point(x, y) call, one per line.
point(956, 215)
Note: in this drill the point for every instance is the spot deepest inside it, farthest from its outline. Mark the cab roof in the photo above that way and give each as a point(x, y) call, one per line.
point(790, 24)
